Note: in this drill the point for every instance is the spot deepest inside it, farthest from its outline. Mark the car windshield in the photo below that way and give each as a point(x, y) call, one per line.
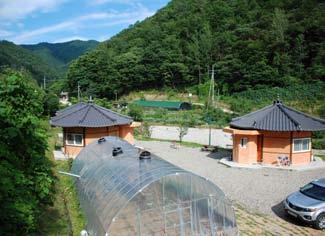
point(314, 191)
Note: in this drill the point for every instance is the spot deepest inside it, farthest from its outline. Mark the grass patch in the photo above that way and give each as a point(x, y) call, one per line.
point(321, 156)
point(196, 117)
point(65, 216)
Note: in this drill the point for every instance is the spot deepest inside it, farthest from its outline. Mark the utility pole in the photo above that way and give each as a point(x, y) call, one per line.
point(211, 90)
point(44, 82)
point(209, 135)
point(212, 87)
point(78, 92)
point(210, 102)
point(199, 93)
point(115, 91)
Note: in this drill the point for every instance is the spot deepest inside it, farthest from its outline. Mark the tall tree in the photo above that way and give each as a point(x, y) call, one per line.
point(25, 174)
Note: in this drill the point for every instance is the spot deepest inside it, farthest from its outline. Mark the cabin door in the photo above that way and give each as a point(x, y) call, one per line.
point(259, 148)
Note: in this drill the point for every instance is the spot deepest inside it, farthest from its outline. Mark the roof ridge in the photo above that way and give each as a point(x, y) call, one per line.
point(306, 115)
point(249, 114)
point(297, 124)
point(63, 116)
point(70, 107)
point(95, 107)
point(264, 116)
point(82, 120)
point(129, 117)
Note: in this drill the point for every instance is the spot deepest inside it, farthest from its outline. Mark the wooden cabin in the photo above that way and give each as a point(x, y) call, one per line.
point(84, 123)
point(272, 134)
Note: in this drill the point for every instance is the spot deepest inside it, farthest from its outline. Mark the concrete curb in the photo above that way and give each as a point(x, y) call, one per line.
point(313, 165)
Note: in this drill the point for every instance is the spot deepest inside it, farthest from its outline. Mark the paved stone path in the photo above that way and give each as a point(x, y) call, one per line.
point(258, 190)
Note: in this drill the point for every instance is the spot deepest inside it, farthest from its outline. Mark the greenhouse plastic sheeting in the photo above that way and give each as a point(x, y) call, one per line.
point(124, 195)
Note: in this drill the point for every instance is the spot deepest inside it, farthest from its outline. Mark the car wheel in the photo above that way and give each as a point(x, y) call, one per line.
point(320, 221)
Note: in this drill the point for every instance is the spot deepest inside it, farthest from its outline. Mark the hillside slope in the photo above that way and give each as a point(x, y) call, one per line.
point(253, 44)
point(59, 55)
point(18, 58)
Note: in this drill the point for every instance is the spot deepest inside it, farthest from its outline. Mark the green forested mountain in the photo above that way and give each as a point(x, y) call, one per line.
point(18, 58)
point(252, 43)
point(59, 55)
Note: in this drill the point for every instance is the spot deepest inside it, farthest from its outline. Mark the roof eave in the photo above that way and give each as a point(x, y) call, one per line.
point(89, 126)
point(275, 130)
point(242, 127)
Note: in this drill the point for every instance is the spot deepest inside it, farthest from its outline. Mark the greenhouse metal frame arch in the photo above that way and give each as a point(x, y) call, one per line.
point(124, 194)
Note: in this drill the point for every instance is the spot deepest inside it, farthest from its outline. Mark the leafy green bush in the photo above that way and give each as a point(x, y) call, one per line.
point(217, 117)
point(195, 117)
point(171, 93)
point(51, 104)
point(321, 111)
point(160, 113)
point(318, 144)
point(203, 90)
point(241, 106)
point(182, 126)
point(136, 112)
point(103, 102)
point(58, 86)
point(146, 130)
point(319, 135)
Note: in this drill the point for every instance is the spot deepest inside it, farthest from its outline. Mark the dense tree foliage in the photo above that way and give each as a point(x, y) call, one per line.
point(321, 111)
point(25, 174)
point(136, 112)
point(51, 103)
point(59, 55)
point(252, 44)
point(19, 58)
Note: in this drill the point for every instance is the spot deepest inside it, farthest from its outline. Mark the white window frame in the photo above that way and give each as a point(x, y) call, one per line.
point(74, 139)
point(305, 150)
point(243, 141)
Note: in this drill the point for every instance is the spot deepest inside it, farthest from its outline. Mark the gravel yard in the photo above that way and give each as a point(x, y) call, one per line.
point(195, 135)
point(258, 190)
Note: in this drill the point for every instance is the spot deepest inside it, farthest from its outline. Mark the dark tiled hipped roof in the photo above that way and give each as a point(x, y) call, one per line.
point(278, 117)
point(88, 115)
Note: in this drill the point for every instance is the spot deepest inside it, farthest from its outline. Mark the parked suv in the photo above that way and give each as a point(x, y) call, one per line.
point(308, 203)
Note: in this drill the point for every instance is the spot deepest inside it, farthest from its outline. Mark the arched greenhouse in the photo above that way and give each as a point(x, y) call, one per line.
point(127, 192)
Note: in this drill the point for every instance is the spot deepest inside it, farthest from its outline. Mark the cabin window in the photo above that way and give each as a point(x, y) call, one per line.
point(74, 139)
point(243, 142)
point(301, 145)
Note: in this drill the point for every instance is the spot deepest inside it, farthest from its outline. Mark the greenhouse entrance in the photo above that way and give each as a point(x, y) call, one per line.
point(125, 195)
